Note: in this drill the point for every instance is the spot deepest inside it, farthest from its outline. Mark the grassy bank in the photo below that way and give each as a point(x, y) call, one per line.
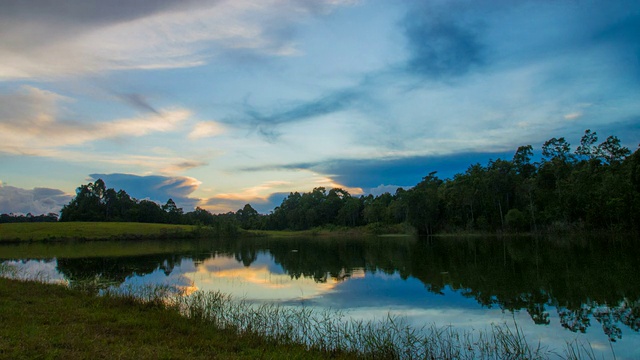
point(89, 231)
point(51, 321)
point(87, 249)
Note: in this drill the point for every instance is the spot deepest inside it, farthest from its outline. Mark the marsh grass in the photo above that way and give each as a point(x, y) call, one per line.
point(576, 350)
point(333, 331)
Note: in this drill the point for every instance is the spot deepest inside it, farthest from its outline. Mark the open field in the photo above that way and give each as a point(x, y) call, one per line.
point(86, 230)
point(87, 249)
point(52, 321)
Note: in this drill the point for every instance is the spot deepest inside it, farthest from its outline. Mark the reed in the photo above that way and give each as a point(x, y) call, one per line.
point(333, 331)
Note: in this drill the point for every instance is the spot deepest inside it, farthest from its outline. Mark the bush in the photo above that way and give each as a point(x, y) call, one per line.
point(516, 220)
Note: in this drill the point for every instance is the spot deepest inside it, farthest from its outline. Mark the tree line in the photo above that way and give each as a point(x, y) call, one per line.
point(19, 218)
point(597, 186)
point(95, 202)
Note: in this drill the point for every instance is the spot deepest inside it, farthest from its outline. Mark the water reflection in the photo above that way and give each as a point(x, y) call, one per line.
point(573, 285)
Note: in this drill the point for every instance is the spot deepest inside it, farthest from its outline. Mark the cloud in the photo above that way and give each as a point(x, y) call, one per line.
point(182, 166)
point(205, 129)
point(573, 116)
point(335, 101)
point(139, 102)
point(45, 39)
point(29, 123)
point(154, 187)
point(265, 196)
point(440, 44)
point(372, 174)
point(36, 201)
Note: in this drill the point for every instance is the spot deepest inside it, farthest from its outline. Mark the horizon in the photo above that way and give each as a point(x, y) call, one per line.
point(217, 104)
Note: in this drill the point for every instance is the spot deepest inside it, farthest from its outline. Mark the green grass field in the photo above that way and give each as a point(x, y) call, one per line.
point(85, 230)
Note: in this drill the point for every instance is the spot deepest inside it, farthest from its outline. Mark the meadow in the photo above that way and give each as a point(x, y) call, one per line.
point(89, 231)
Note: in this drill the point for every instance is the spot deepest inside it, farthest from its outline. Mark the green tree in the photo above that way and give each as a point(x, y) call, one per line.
point(587, 148)
point(173, 214)
point(248, 217)
point(611, 151)
point(87, 205)
point(423, 204)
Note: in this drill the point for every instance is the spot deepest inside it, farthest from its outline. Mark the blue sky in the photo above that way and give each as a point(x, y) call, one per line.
point(221, 103)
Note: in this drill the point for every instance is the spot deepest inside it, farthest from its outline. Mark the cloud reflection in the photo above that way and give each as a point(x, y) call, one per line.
point(261, 281)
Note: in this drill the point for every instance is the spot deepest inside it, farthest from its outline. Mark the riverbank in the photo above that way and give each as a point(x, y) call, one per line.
point(51, 321)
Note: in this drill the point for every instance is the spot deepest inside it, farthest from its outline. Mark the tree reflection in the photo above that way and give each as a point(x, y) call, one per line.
point(584, 280)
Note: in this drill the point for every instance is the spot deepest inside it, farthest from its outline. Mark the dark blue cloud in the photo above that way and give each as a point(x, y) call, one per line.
point(404, 172)
point(154, 187)
point(439, 45)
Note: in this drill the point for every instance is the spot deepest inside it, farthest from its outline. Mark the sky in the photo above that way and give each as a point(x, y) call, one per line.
point(220, 103)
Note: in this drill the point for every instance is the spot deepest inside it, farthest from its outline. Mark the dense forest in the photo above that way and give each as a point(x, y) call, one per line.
point(597, 186)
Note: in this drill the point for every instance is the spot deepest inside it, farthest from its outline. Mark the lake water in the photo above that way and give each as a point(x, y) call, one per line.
point(554, 290)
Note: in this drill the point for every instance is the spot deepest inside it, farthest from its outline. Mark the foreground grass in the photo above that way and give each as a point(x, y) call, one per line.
point(87, 230)
point(51, 321)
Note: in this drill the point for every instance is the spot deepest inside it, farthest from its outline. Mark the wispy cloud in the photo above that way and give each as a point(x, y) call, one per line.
point(139, 102)
point(44, 39)
point(29, 123)
point(266, 123)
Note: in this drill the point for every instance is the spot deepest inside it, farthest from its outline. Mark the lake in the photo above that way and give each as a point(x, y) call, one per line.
point(555, 290)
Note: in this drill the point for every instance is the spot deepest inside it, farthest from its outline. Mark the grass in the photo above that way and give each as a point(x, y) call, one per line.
point(333, 332)
point(83, 249)
point(52, 321)
point(87, 230)
point(333, 231)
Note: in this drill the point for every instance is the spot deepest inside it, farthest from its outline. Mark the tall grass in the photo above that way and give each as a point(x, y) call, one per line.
point(388, 338)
